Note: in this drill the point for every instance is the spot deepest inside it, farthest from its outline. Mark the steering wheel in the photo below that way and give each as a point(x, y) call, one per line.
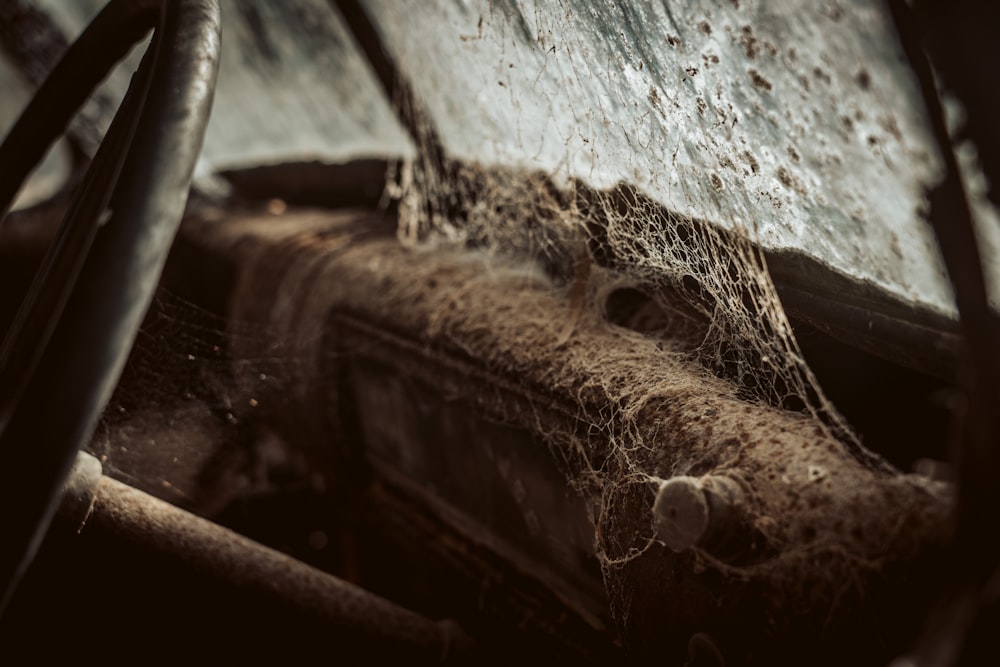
point(62, 357)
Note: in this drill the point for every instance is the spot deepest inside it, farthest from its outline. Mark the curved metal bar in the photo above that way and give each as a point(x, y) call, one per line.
point(61, 402)
point(339, 613)
point(41, 308)
point(86, 63)
point(959, 628)
point(950, 216)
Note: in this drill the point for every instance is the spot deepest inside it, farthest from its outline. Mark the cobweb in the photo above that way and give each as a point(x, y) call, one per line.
point(707, 272)
point(594, 236)
point(571, 170)
point(189, 419)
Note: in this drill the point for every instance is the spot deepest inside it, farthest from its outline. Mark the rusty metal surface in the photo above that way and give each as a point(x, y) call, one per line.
point(352, 616)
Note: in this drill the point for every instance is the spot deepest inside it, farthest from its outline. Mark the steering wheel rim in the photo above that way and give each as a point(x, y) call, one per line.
point(63, 355)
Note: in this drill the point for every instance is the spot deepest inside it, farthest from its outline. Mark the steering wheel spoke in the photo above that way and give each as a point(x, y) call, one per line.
point(62, 357)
